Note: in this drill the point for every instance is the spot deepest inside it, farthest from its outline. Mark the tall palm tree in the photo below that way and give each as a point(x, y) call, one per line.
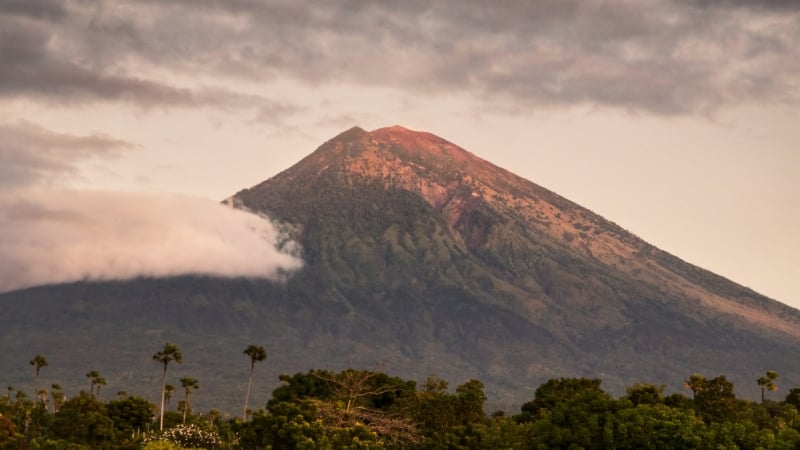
point(37, 362)
point(188, 384)
point(170, 352)
point(767, 382)
point(256, 353)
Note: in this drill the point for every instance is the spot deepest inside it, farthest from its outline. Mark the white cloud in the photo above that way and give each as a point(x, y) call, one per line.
point(55, 236)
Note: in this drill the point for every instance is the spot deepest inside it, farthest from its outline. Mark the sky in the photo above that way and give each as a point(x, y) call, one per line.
point(124, 124)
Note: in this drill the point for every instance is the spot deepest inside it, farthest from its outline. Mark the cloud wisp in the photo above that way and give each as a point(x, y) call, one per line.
point(31, 155)
point(63, 236)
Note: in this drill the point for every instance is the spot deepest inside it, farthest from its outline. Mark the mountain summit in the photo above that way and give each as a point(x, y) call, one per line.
point(426, 260)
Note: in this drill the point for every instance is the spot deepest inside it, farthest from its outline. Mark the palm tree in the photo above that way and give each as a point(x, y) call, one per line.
point(767, 382)
point(92, 375)
point(96, 382)
point(58, 396)
point(38, 362)
point(188, 384)
point(256, 353)
point(168, 391)
point(99, 382)
point(170, 352)
point(42, 393)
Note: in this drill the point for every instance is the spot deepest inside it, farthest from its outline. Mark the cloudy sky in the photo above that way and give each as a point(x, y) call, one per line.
point(679, 120)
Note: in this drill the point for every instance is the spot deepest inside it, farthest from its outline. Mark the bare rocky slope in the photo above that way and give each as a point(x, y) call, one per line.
point(423, 259)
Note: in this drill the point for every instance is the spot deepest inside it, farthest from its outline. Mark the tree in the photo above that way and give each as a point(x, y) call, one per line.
point(96, 382)
point(58, 396)
point(38, 362)
point(646, 394)
point(188, 384)
point(256, 353)
point(42, 394)
point(100, 382)
point(793, 398)
point(767, 382)
point(470, 399)
point(84, 420)
point(696, 383)
point(10, 438)
point(170, 352)
point(168, 391)
point(557, 391)
point(131, 415)
point(714, 399)
point(366, 398)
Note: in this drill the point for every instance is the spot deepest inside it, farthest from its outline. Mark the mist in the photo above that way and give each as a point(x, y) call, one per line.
point(56, 236)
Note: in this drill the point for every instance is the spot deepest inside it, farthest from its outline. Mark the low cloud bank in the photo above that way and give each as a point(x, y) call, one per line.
point(49, 236)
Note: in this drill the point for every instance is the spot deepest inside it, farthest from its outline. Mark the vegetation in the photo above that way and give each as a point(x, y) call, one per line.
point(170, 353)
point(256, 354)
point(369, 409)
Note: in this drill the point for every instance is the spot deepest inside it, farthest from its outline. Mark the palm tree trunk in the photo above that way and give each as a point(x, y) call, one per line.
point(185, 407)
point(247, 395)
point(163, 391)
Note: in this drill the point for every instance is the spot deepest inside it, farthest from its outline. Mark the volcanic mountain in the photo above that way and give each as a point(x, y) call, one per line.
point(424, 259)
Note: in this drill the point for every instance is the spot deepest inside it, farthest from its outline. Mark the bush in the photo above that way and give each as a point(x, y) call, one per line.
point(185, 436)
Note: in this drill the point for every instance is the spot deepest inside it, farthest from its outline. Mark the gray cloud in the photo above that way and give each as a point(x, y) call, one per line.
point(59, 236)
point(660, 57)
point(778, 5)
point(39, 9)
point(65, 67)
point(32, 155)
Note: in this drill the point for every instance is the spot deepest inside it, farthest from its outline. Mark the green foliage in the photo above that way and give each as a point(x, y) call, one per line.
point(569, 412)
point(367, 409)
point(84, 420)
point(559, 391)
point(10, 438)
point(301, 386)
point(793, 398)
point(161, 444)
point(131, 414)
point(646, 394)
point(714, 399)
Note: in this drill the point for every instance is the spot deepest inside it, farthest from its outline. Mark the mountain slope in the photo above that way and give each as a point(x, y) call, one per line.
point(425, 259)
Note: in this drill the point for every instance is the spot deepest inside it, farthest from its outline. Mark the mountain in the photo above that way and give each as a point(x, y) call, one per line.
point(421, 259)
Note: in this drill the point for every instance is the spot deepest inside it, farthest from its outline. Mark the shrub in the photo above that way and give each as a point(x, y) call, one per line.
point(185, 436)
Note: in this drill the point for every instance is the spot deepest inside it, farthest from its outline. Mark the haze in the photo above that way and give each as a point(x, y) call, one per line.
point(675, 119)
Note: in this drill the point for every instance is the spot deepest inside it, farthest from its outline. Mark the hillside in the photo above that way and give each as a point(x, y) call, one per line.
point(425, 259)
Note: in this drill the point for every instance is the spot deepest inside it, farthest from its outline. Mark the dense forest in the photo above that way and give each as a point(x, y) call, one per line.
point(369, 409)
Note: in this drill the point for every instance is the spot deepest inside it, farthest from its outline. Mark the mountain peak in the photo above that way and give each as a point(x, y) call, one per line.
point(450, 251)
point(420, 143)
